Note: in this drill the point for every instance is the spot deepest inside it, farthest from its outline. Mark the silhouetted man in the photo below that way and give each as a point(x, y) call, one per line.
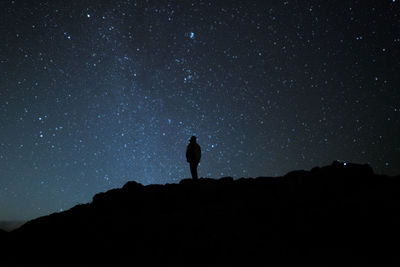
point(193, 156)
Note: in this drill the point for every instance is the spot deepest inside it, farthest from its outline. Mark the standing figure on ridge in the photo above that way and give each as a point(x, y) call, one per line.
point(193, 156)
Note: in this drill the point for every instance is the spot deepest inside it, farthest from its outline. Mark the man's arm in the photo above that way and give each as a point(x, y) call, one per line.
point(187, 153)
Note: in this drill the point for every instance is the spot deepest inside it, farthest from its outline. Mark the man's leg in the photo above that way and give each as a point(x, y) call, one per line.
point(193, 169)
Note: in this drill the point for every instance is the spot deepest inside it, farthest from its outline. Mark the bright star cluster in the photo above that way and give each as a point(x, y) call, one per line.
point(96, 93)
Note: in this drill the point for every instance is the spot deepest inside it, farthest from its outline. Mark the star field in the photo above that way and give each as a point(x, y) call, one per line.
point(96, 93)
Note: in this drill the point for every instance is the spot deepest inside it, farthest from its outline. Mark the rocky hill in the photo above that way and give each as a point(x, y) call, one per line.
point(10, 225)
point(338, 215)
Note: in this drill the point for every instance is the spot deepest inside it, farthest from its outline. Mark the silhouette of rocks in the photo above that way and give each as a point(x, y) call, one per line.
point(4, 242)
point(3, 234)
point(10, 225)
point(331, 216)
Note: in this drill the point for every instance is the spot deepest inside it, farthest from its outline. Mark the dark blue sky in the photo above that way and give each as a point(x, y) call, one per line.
point(96, 93)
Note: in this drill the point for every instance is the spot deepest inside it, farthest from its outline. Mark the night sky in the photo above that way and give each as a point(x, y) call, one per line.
point(96, 93)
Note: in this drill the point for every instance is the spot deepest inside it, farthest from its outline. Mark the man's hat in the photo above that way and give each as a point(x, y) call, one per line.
point(193, 138)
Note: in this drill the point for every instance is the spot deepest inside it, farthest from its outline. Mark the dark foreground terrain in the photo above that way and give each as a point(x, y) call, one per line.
point(339, 215)
point(10, 225)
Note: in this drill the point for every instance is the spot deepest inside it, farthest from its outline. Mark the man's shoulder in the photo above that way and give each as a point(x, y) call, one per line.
point(193, 146)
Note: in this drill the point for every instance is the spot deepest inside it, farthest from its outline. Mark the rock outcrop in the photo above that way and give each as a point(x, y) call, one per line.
point(342, 214)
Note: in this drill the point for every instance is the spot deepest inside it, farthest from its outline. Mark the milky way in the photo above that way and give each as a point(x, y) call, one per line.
point(96, 93)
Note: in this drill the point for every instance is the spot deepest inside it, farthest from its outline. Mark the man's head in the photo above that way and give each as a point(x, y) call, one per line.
point(193, 139)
